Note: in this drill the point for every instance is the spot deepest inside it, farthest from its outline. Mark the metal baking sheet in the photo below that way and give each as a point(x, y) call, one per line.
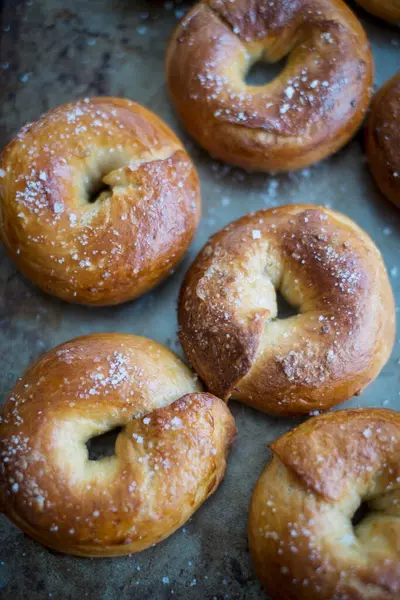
point(53, 51)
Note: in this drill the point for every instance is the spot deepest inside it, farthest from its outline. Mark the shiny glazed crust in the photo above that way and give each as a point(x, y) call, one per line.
point(99, 201)
point(325, 266)
point(308, 112)
point(169, 457)
point(302, 539)
point(389, 10)
point(382, 138)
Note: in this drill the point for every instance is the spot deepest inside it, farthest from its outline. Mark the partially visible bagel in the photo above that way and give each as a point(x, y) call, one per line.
point(388, 10)
point(308, 112)
point(98, 201)
point(382, 137)
point(169, 457)
point(324, 519)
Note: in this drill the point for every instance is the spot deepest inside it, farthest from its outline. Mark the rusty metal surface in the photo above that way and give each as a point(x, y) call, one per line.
point(52, 52)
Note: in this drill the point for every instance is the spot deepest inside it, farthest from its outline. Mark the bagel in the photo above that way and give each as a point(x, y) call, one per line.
point(169, 457)
point(382, 136)
point(99, 201)
point(388, 10)
point(326, 267)
point(308, 112)
point(308, 538)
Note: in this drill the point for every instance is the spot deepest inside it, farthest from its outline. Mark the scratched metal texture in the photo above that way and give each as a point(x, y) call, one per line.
point(53, 51)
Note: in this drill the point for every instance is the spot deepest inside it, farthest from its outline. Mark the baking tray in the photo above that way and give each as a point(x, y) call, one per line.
point(53, 51)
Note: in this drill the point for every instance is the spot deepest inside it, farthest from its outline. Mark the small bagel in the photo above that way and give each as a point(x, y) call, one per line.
point(99, 201)
point(382, 137)
point(388, 10)
point(326, 267)
point(308, 112)
point(169, 457)
point(306, 539)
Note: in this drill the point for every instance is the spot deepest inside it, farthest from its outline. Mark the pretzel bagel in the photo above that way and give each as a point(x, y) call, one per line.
point(305, 114)
point(324, 518)
point(99, 201)
point(169, 457)
point(389, 10)
point(327, 268)
point(382, 137)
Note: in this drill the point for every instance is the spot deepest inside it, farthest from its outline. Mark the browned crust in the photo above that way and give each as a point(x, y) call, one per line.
point(382, 137)
point(169, 457)
point(335, 346)
point(388, 10)
point(340, 440)
point(291, 122)
point(121, 246)
point(301, 539)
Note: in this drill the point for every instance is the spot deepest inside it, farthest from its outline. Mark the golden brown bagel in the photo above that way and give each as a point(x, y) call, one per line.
point(389, 10)
point(99, 201)
point(324, 265)
point(302, 539)
point(382, 136)
point(169, 457)
point(311, 110)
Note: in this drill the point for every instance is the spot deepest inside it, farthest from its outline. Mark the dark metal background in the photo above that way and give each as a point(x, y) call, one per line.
point(51, 52)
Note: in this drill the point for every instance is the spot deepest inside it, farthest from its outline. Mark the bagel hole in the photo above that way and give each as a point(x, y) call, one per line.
point(99, 166)
point(285, 310)
point(103, 445)
point(97, 189)
point(360, 514)
point(260, 73)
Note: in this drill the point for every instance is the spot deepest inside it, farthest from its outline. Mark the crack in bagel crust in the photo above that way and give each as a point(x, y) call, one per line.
point(322, 264)
point(382, 136)
point(302, 116)
point(128, 239)
point(169, 456)
point(301, 536)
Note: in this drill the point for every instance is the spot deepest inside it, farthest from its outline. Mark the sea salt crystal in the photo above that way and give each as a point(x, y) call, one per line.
point(327, 36)
point(367, 433)
point(40, 502)
point(283, 109)
point(289, 92)
point(256, 233)
point(176, 422)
